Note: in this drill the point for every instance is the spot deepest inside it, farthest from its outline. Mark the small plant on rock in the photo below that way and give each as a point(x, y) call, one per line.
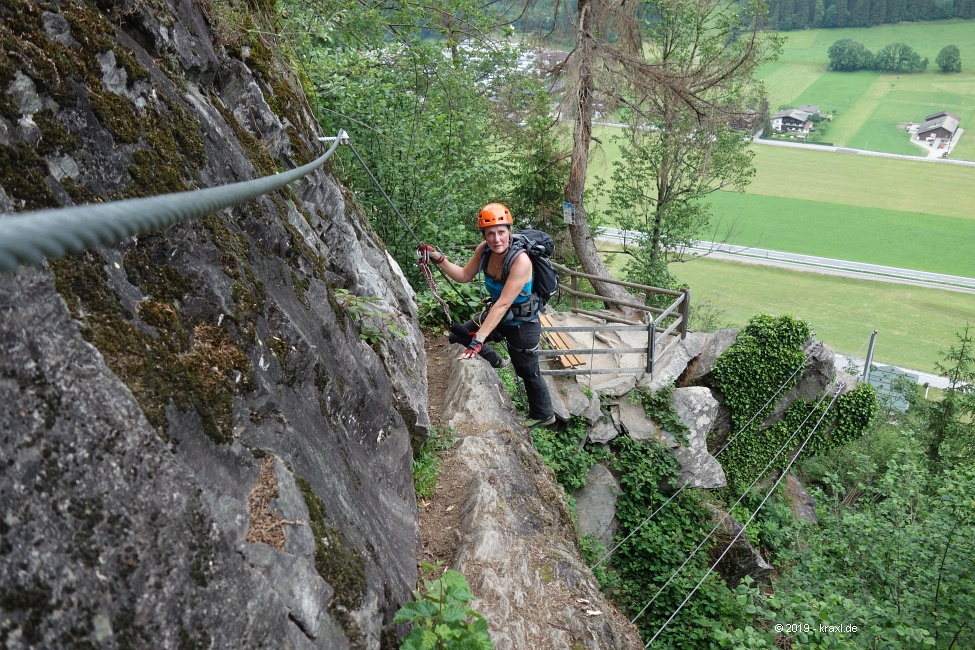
point(440, 616)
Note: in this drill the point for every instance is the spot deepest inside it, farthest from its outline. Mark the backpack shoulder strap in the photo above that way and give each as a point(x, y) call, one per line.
point(517, 247)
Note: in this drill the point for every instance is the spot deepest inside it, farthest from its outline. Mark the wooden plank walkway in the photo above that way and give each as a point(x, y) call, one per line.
point(557, 341)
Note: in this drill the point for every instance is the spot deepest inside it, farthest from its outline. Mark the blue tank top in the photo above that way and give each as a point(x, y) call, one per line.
point(495, 286)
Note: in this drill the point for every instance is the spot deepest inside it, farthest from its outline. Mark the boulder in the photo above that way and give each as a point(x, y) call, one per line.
point(633, 420)
point(596, 505)
point(569, 400)
point(674, 363)
point(813, 380)
point(741, 559)
point(696, 408)
point(699, 371)
point(603, 430)
point(801, 502)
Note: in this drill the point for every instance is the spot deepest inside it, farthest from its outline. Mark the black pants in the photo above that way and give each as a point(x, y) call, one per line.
point(522, 341)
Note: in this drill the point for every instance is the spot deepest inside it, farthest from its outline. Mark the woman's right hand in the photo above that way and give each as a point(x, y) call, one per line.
point(427, 252)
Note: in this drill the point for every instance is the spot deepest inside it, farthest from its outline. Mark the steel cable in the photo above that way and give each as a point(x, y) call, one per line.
point(744, 492)
point(406, 225)
point(29, 237)
point(775, 485)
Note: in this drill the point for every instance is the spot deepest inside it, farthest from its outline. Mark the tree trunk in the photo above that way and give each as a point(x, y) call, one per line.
point(582, 239)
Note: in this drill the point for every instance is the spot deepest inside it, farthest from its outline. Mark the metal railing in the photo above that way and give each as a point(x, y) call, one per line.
point(678, 312)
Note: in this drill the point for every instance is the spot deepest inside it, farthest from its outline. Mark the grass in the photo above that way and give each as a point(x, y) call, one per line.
point(865, 181)
point(915, 324)
point(875, 236)
point(859, 208)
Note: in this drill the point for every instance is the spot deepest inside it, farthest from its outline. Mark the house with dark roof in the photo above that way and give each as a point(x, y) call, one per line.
point(792, 120)
point(938, 126)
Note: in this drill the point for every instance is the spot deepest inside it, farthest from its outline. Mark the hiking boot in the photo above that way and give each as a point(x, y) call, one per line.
point(540, 422)
point(501, 363)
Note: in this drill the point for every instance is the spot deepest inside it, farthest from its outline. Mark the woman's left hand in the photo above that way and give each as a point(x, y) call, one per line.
point(472, 349)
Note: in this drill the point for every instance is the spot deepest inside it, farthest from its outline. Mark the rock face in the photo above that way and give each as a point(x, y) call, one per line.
point(151, 392)
point(518, 548)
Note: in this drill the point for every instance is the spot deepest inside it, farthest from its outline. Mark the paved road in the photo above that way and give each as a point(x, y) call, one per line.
point(813, 263)
point(934, 156)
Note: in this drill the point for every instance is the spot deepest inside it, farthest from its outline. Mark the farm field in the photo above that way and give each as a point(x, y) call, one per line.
point(915, 323)
point(850, 207)
point(870, 106)
point(872, 235)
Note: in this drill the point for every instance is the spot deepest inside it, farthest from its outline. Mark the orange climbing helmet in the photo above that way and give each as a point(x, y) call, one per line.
point(494, 214)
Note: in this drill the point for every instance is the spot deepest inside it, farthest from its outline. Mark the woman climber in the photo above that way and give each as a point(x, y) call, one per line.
point(513, 313)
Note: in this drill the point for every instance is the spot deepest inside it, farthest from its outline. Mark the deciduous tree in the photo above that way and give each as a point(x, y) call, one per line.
point(847, 55)
point(949, 59)
point(688, 56)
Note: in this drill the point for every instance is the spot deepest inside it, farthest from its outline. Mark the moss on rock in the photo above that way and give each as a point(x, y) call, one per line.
point(195, 366)
point(340, 567)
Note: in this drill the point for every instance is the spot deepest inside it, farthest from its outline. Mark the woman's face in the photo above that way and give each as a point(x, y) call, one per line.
point(498, 238)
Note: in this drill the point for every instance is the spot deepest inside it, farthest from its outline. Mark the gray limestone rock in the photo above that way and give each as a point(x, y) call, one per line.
point(596, 505)
point(700, 370)
point(130, 480)
point(603, 431)
point(697, 409)
point(673, 364)
point(801, 502)
point(633, 420)
point(563, 404)
point(569, 399)
point(517, 546)
point(615, 387)
point(813, 380)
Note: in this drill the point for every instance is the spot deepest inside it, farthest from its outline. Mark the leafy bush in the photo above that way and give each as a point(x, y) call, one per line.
point(566, 453)
point(900, 564)
point(463, 300)
point(441, 618)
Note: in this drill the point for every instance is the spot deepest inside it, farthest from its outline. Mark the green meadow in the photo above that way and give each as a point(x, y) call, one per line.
point(903, 213)
point(844, 206)
point(870, 107)
point(915, 324)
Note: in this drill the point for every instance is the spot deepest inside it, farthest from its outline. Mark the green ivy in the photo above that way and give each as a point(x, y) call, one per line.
point(567, 454)
point(659, 407)
point(655, 548)
point(764, 357)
